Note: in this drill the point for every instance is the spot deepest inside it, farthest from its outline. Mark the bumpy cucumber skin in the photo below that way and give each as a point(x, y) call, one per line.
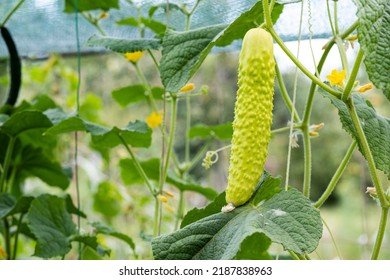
point(253, 116)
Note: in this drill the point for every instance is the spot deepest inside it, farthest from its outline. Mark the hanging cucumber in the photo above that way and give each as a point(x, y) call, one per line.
point(253, 117)
point(15, 67)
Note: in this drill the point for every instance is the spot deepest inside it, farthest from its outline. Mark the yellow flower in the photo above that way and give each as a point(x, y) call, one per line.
point(169, 208)
point(365, 87)
point(162, 198)
point(372, 192)
point(352, 38)
point(154, 119)
point(336, 77)
point(3, 254)
point(314, 134)
point(103, 15)
point(187, 87)
point(133, 56)
point(167, 193)
point(316, 127)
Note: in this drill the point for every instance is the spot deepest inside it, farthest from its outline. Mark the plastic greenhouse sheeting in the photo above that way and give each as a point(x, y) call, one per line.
point(40, 27)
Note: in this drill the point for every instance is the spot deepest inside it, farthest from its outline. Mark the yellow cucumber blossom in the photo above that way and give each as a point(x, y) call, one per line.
point(187, 87)
point(313, 129)
point(167, 193)
point(103, 15)
point(352, 38)
point(133, 56)
point(372, 192)
point(3, 254)
point(365, 87)
point(154, 119)
point(169, 208)
point(162, 198)
point(337, 78)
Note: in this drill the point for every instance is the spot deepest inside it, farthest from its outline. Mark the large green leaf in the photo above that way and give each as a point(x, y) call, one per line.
point(52, 225)
point(7, 204)
point(183, 53)
point(374, 38)
point(267, 187)
point(24, 121)
point(376, 129)
point(34, 163)
point(72, 209)
point(136, 134)
point(196, 214)
point(156, 26)
point(69, 122)
point(31, 123)
point(130, 176)
point(134, 94)
point(254, 247)
point(222, 132)
point(43, 103)
point(91, 241)
point(3, 119)
point(166, 7)
point(247, 20)
point(287, 218)
point(104, 229)
point(122, 45)
point(22, 205)
point(87, 5)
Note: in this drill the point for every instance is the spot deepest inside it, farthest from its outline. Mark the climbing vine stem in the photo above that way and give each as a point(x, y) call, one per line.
point(366, 151)
point(336, 177)
point(14, 9)
point(380, 234)
point(351, 81)
point(165, 165)
point(7, 163)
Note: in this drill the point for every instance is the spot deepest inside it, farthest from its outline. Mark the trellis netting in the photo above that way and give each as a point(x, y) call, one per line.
point(40, 27)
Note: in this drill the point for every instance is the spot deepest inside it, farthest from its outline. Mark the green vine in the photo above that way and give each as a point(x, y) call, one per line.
point(337, 175)
point(10, 13)
point(6, 164)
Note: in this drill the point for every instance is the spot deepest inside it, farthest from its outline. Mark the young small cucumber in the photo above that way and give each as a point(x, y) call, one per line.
point(252, 117)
